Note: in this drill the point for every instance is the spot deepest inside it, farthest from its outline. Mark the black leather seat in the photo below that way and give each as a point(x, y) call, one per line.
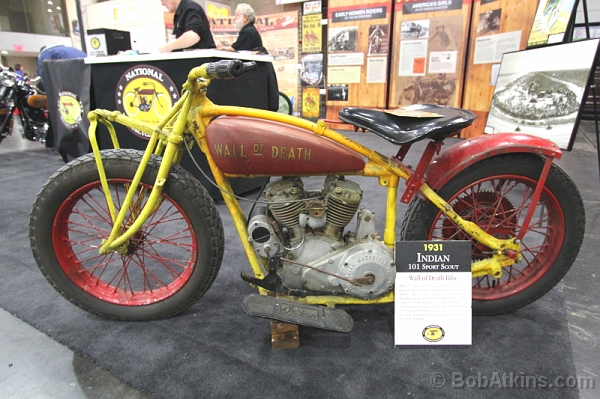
point(405, 130)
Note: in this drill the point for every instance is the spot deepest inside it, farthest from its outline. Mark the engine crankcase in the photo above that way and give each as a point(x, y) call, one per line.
point(368, 262)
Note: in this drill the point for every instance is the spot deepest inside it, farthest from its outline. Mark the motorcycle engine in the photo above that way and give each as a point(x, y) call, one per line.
point(307, 227)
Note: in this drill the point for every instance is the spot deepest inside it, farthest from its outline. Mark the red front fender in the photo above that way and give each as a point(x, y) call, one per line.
point(456, 158)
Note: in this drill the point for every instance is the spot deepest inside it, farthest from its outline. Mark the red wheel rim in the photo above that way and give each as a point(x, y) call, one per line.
point(499, 205)
point(160, 258)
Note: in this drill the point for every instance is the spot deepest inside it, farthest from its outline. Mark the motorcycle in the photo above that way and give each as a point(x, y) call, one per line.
point(431, 90)
point(130, 235)
point(342, 42)
point(32, 105)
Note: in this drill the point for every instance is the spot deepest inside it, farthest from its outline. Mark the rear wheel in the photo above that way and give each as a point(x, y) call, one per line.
point(496, 195)
point(164, 268)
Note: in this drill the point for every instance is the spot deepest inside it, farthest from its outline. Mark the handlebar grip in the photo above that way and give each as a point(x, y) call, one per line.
point(249, 66)
point(228, 69)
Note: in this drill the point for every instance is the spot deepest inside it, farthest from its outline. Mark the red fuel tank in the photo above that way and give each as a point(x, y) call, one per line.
point(252, 146)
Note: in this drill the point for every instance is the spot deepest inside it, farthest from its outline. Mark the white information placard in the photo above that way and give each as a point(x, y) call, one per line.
point(96, 45)
point(413, 54)
point(376, 69)
point(489, 49)
point(433, 293)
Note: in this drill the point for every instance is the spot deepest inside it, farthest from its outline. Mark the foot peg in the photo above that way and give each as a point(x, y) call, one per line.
point(298, 313)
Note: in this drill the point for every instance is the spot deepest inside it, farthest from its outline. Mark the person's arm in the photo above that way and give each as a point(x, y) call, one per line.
point(241, 43)
point(227, 48)
point(186, 40)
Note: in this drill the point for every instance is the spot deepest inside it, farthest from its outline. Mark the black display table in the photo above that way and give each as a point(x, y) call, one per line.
point(145, 86)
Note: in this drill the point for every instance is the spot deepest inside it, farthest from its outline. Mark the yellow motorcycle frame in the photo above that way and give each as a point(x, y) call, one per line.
point(187, 121)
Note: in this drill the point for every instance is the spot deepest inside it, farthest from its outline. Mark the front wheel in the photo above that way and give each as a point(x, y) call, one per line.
point(164, 268)
point(285, 104)
point(496, 195)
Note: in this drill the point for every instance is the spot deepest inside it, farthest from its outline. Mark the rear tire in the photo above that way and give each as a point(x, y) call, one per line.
point(496, 195)
point(170, 263)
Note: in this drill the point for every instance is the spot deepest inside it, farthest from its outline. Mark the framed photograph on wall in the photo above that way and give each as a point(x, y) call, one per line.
point(551, 22)
point(540, 91)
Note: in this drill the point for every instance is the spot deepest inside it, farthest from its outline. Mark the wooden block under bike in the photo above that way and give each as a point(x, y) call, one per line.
point(130, 235)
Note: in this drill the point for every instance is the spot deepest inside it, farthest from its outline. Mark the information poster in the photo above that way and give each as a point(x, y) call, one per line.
point(311, 33)
point(376, 69)
point(279, 33)
point(551, 21)
point(310, 102)
point(433, 293)
point(349, 74)
point(312, 7)
point(312, 70)
point(358, 44)
point(490, 49)
point(429, 50)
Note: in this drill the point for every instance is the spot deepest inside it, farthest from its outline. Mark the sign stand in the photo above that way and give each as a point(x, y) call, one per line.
point(433, 293)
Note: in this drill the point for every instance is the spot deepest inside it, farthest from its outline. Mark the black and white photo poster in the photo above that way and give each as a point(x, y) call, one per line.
point(540, 91)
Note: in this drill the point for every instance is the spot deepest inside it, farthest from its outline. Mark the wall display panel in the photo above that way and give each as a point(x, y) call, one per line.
point(429, 49)
point(540, 91)
point(279, 33)
point(357, 55)
point(497, 27)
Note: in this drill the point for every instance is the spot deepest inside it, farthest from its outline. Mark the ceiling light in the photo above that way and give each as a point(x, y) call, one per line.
point(49, 10)
point(58, 8)
point(4, 52)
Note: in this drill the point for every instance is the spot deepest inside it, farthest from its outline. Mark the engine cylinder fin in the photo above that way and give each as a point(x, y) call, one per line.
point(287, 214)
point(281, 194)
point(340, 213)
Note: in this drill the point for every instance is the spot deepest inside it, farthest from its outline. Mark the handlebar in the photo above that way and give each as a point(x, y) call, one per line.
point(225, 69)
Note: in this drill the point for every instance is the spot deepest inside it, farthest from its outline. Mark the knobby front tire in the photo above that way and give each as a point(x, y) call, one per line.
point(169, 264)
point(496, 195)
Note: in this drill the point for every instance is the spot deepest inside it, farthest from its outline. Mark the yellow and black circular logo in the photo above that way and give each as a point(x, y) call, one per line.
point(145, 93)
point(433, 333)
point(95, 43)
point(70, 109)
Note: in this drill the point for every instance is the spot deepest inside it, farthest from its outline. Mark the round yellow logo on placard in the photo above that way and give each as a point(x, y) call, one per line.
point(145, 93)
point(433, 333)
point(95, 43)
point(70, 109)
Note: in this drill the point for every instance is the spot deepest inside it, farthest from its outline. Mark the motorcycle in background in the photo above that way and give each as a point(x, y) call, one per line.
point(30, 102)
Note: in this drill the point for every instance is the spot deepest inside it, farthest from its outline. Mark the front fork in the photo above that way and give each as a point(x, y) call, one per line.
point(161, 142)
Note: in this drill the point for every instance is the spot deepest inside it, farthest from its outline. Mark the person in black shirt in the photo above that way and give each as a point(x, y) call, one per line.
point(191, 27)
point(249, 38)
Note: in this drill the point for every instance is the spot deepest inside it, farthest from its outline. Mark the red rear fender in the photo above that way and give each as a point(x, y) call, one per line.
point(461, 155)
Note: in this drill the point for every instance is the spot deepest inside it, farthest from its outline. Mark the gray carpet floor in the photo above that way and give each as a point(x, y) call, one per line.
point(214, 350)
